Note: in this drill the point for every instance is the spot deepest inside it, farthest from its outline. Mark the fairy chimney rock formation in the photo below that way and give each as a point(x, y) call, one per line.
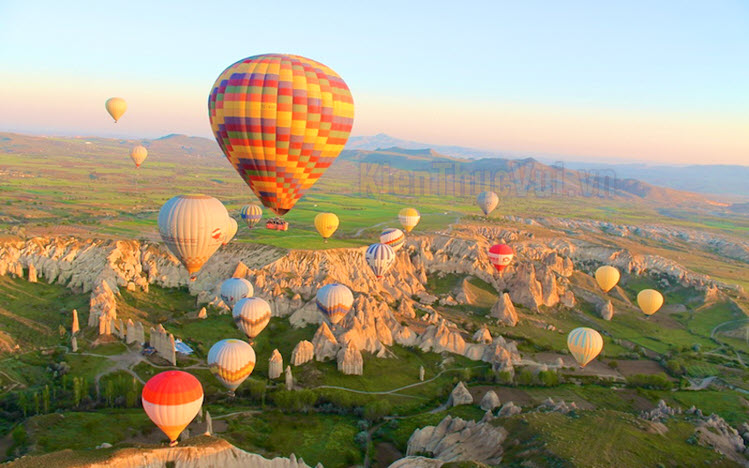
point(303, 352)
point(504, 311)
point(275, 365)
point(325, 343)
point(350, 360)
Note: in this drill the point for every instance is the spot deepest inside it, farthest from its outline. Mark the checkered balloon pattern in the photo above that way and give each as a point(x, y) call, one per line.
point(281, 120)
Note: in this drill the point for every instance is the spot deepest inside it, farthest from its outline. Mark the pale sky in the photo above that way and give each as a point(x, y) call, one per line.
point(663, 81)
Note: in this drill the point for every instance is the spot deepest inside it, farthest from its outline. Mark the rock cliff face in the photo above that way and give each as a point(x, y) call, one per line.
point(505, 311)
point(207, 452)
point(350, 360)
point(275, 365)
point(303, 352)
point(455, 440)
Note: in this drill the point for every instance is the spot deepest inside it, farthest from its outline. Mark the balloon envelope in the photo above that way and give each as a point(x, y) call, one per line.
point(251, 214)
point(230, 230)
point(281, 120)
point(116, 107)
point(235, 289)
point(607, 277)
point(584, 344)
point(326, 224)
point(500, 255)
point(649, 301)
point(487, 201)
point(231, 361)
point(380, 257)
point(251, 315)
point(393, 237)
point(138, 155)
point(192, 227)
point(172, 399)
point(409, 218)
point(334, 301)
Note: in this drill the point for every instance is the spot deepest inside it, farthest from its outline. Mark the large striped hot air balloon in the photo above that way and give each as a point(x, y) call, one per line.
point(116, 107)
point(487, 201)
point(326, 224)
point(607, 277)
point(230, 230)
point(251, 315)
point(500, 255)
point(380, 257)
point(409, 218)
point(251, 214)
point(281, 121)
point(235, 289)
point(393, 237)
point(334, 301)
point(172, 399)
point(231, 361)
point(649, 301)
point(584, 344)
point(138, 154)
point(192, 228)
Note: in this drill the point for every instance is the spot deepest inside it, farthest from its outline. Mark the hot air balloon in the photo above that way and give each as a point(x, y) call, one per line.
point(487, 201)
point(251, 214)
point(138, 155)
point(281, 121)
point(607, 277)
point(334, 301)
point(584, 344)
point(230, 230)
point(409, 218)
point(231, 361)
point(380, 257)
point(192, 227)
point(649, 301)
point(251, 315)
point(234, 289)
point(116, 107)
point(172, 399)
point(326, 224)
point(500, 255)
point(393, 237)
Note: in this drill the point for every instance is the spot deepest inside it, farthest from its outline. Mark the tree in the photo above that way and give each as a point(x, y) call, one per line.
point(377, 409)
point(45, 398)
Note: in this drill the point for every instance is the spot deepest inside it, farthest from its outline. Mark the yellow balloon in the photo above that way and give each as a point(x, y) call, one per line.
point(138, 154)
point(409, 218)
point(584, 344)
point(649, 301)
point(116, 107)
point(326, 224)
point(607, 277)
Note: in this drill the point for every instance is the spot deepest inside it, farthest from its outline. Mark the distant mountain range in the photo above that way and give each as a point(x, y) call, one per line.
point(729, 181)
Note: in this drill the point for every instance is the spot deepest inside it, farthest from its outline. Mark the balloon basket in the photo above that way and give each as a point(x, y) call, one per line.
point(173, 443)
point(231, 394)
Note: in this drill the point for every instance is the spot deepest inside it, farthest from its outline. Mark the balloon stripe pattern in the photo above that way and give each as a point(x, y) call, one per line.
point(251, 315)
point(334, 301)
point(191, 226)
point(409, 218)
point(231, 361)
point(280, 120)
point(393, 237)
point(500, 255)
point(380, 258)
point(584, 344)
point(251, 214)
point(171, 400)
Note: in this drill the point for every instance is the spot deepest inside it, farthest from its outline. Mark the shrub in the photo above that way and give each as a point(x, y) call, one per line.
point(548, 378)
point(613, 364)
point(525, 377)
point(650, 381)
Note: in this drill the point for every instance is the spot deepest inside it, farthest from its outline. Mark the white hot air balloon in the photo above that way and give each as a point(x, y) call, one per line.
point(231, 361)
point(235, 289)
point(487, 201)
point(192, 227)
point(334, 301)
point(380, 257)
point(251, 315)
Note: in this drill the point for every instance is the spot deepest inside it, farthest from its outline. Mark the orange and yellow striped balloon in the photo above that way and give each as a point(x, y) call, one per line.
point(172, 399)
point(281, 120)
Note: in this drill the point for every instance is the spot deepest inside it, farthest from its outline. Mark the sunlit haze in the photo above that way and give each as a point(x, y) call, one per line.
point(641, 81)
